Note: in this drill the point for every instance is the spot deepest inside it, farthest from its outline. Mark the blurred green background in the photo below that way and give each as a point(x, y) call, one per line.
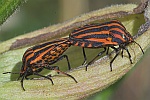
point(37, 14)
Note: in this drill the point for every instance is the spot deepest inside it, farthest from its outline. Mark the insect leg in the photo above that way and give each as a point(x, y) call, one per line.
point(44, 77)
point(22, 83)
point(129, 55)
point(64, 56)
point(107, 51)
point(60, 58)
point(122, 53)
point(22, 80)
point(85, 58)
point(28, 78)
point(57, 68)
point(117, 53)
point(95, 58)
point(18, 78)
point(54, 68)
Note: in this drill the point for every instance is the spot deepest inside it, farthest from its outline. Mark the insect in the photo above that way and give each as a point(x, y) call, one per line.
point(42, 56)
point(105, 35)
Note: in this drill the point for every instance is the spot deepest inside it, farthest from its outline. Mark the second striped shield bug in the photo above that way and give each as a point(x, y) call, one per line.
point(42, 56)
point(105, 35)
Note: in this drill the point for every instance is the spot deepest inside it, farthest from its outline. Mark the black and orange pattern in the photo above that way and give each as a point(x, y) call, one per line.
point(42, 56)
point(108, 34)
point(100, 35)
point(105, 35)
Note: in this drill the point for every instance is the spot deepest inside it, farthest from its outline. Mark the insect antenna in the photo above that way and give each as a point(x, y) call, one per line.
point(10, 73)
point(13, 73)
point(139, 46)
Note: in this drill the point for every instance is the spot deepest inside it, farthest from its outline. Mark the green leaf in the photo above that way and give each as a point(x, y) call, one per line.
point(7, 7)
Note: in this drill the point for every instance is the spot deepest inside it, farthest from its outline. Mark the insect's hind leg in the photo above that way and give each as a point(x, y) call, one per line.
point(58, 71)
point(47, 77)
point(96, 57)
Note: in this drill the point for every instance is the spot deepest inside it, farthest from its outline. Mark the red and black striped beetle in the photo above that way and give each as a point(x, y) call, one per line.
point(104, 35)
point(42, 56)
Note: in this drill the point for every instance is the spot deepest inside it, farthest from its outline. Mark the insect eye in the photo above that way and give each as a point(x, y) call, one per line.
point(123, 36)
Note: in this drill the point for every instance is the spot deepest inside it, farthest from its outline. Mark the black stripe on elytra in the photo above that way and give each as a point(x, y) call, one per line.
point(97, 44)
point(104, 28)
point(97, 24)
point(115, 26)
point(25, 57)
point(97, 29)
point(56, 42)
point(100, 29)
point(45, 48)
point(97, 36)
point(117, 40)
point(42, 48)
point(36, 54)
point(85, 42)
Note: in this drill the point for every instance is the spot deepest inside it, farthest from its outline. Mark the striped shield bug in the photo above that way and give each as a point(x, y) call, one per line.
point(105, 35)
point(42, 56)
